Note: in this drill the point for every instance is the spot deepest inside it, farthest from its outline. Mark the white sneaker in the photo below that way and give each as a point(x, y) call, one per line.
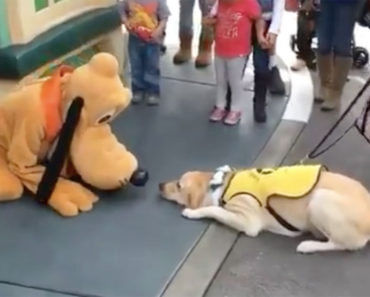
point(298, 65)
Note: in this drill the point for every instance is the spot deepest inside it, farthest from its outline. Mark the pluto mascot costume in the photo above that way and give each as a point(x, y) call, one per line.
point(184, 54)
point(55, 136)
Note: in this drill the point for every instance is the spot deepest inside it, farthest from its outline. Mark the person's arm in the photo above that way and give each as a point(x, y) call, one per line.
point(277, 15)
point(123, 8)
point(211, 18)
point(307, 5)
point(260, 32)
point(163, 15)
point(292, 5)
point(214, 9)
point(253, 10)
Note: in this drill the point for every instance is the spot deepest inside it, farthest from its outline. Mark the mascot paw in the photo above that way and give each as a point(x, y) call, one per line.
point(70, 198)
point(139, 178)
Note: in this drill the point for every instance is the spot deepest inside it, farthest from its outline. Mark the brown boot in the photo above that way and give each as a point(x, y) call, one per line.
point(341, 68)
point(205, 48)
point(325, 67)
point(184, 53)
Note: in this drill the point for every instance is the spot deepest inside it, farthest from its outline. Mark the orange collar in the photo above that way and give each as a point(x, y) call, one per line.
point(51, 98)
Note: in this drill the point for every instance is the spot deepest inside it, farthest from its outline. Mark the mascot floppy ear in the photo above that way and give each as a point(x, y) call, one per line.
point(50, 92)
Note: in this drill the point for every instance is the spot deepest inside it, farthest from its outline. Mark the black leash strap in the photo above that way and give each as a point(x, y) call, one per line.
point(362, 126)
point(55, 165)
point(315, 152)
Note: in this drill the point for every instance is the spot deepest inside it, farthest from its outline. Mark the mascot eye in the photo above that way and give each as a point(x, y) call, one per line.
point(105, 117)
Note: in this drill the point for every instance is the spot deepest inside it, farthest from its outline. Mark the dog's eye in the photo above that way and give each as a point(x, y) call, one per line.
point(105, 117)
point(178, 185)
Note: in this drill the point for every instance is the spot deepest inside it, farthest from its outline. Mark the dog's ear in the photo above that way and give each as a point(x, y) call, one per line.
point(194, 198)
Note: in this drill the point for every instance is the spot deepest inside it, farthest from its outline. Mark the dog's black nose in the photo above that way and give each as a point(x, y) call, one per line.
point(139, 178)
point(161, 187)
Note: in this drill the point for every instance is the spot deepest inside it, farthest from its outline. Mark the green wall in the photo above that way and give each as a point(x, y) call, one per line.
point(4, 31)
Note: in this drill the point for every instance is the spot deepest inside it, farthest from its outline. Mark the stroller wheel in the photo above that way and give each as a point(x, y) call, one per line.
point(360, 57)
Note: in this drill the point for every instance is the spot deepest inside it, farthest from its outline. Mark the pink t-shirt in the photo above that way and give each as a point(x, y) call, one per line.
point(233, 31)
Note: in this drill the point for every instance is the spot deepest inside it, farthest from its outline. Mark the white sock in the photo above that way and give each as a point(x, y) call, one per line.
point(272, 61)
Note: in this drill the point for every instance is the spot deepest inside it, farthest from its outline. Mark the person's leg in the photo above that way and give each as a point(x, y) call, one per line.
point(325, 34)
point(345, 17)
point(228, 97)
point(206, 37)
point(305, 54)
point(219, 111)
point(152, 73)
point(261, 76)
point(183, 55)
point(235, 71)
point(135, 50)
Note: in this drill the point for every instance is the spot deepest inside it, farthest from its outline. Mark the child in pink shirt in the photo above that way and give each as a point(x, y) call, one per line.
point(233, 21)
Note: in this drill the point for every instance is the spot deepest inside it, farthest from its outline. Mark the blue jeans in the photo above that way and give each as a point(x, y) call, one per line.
point(261, 59)
point(144, 60)
point(336, 24)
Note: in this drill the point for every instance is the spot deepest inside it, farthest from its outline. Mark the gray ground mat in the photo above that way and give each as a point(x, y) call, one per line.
point(132, 242)
point(269, 265)
point(18, 291)
point(187, 71)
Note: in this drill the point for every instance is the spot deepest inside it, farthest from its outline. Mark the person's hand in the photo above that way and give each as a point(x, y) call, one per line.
point(271, 39)
point(127, 25)
point(262, 40)
point(157, 35)
point(307, 5)
point(209, 21)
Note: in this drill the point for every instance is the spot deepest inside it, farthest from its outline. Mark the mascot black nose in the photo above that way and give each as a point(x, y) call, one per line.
point(139, 178)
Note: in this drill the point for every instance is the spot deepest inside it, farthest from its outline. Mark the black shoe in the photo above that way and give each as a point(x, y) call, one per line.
point(276, 84)
point(259, 112)
point(139, 178)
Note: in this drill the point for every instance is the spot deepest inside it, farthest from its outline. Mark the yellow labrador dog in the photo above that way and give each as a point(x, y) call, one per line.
point(288, 200)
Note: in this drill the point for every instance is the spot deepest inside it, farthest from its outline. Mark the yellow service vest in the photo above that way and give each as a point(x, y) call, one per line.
point(290, 182)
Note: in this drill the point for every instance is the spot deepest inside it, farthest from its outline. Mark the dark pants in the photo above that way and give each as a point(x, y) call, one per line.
point(144, 60)
point(305, 34)
point(261, 59)
point(336, 24)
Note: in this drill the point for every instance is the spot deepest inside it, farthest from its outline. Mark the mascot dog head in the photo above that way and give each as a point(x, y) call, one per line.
point(99, 84)
point(91, 97)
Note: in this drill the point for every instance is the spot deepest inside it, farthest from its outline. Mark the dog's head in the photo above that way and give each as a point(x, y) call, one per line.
point(190, 190)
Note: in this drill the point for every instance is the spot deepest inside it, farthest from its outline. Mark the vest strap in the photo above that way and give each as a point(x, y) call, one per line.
point(281, 220)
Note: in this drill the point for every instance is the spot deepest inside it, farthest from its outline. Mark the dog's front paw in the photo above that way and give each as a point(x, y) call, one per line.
point(190, 213)
point(307, 247)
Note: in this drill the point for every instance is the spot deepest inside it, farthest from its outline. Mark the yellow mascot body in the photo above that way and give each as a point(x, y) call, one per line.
point(38, 118)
